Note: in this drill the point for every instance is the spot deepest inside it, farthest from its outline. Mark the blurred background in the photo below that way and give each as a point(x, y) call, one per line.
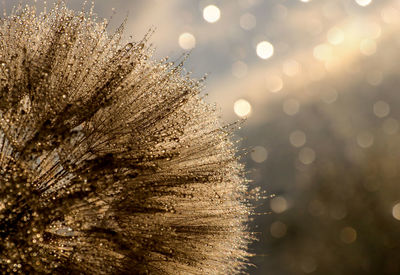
point(318, 83)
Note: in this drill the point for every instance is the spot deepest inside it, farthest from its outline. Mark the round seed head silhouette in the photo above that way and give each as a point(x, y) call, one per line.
point(111, 163)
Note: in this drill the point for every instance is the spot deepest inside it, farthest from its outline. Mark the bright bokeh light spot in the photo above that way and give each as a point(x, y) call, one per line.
point(259, 154)
point(363, 3)
point(279, 204)
point(242, 108)
point(211, 13)
point(396, 211)
point(187, 41)
point(368, 47)
point(265, 49)
point(323, 52)
point(335, 36)
point(305, 1)
point(247, 21)
point(273, 83)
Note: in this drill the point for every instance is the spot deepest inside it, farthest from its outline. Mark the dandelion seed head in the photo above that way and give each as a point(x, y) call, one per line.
point(110, 163)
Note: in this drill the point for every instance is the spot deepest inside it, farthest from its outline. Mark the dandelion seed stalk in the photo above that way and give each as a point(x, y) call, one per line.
point(110, 163)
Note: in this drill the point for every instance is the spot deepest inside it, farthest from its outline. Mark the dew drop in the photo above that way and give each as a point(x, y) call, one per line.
point(128, 46)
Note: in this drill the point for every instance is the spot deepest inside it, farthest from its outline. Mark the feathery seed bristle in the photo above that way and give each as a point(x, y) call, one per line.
point(110, 163)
